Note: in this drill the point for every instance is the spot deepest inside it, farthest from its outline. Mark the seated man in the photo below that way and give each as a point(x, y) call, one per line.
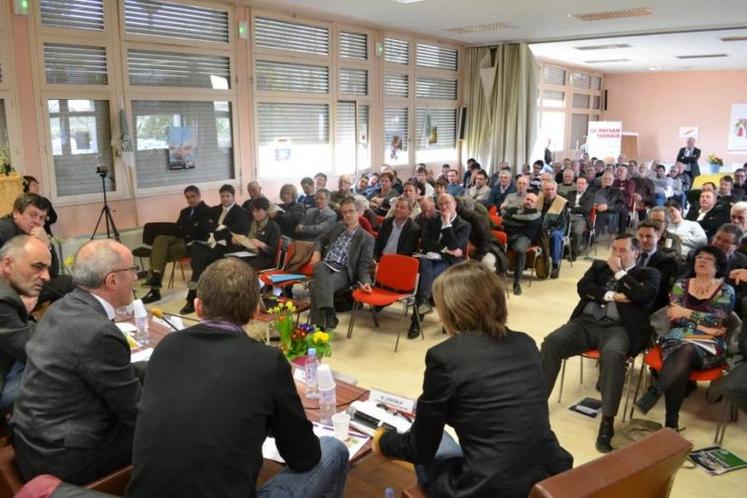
point(342, 257)
point(75, 413)
point(27, 218)
point(663, 185)
point(307, 198)
point(727, 195)
point(568, 183)
point(649, 256)
point(484, 246)
point(709, 214)
point(170, 248)
point(613, 317)
point(580, 202)
point(398, 234)
point(412, 192)
point(516, 199)
point(554, 223)
point(480, 192)
point(343, 190)
point(254, 189)
point(454, 187)
point(223, 221)
point(734, 386)
point(318, 220)
point(523, 226)
point(503, 187)
point(669, 243)
point(446, 237)
point(610, 207)
point(24, 268)
point(214, 424)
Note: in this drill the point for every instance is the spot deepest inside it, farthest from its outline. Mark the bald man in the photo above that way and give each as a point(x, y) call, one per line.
point(75, 413)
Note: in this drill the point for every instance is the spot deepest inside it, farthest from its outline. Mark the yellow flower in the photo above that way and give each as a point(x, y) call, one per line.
point(69, 261)
point(321, 337)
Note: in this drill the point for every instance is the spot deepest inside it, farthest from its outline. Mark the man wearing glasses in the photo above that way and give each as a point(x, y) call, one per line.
point(75, 413)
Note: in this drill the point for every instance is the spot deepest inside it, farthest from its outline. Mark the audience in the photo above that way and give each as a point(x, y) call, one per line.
point(480, 192)
point(580, 202)
point(454, 188)
point(568, 183)
point(739, 189)
point(361, 186)
point(342, 257)
point(290, 212)
point(307, 198)
point(663, 185)
point(554, 223)
point(610, 206)
point(24, 269)
point(343, 190)
point(612, 317)
point(700, 306)
point(504, 186)
point(202, 435)
point(484, 246)
point(412, 193)
point(318, 220)
point(669, 243)
point(320, 181)
point(726, 193)
point(167, 248)
point(485, 381)
point(262, 238)
point(649, 256)
point(421, 175)
point(32, 186)
point(523, 225)
point(516, 199)
point(381, 202)
point(254, 189)
point(75, 413)
point(691, 233)
point(734, 385)
point(709, 214)
point(398, 234)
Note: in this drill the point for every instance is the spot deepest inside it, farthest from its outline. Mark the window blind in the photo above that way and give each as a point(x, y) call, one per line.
point(434, 88)
point(285, 77)
point(582, 81)
point(353, 81)
point(171, 20)
point(353, 45)
point(72, 14)
point(553, 98)
point(443, 121)
point(299, 123)
point(436, 57)
point(596, 83)
point(395, 124)
point(553, 75)
point(156, 68)
point(296, 37)
point(579, 128)
point(396, 51)
point(580, 101)
point(75, 64)
point(396, 85)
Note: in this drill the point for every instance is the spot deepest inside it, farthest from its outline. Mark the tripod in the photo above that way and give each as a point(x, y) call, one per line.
point(106, 214)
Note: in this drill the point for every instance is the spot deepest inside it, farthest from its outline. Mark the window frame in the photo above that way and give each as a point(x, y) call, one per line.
point(8, 89)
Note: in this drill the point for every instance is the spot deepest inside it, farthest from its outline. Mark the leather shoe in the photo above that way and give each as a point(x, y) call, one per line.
point(152, 296)
point(555, 272)
point(517, 289)
point(188, 308)
point(154, 281)
point(414, 331)
point(606, 431)
point(648, 400)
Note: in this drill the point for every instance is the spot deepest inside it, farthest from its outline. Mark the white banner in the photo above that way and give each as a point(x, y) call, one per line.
point(604, 139)
point(738, 129)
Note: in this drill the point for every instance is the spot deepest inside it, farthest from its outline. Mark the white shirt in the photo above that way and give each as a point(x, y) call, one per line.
point(224, 213)
point(691, 234)
point(110, 313)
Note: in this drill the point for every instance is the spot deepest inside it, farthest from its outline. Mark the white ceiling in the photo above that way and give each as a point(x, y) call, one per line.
point(652, 52)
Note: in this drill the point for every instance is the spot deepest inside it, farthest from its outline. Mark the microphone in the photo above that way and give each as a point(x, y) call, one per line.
point(159, 314)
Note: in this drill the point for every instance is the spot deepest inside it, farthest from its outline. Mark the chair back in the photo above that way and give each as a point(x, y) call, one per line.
point(398, 272)
point(152, 230)
point(645, 469)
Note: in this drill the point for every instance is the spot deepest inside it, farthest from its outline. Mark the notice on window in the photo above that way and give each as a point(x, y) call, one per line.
point(181, 147)
point(604, 139)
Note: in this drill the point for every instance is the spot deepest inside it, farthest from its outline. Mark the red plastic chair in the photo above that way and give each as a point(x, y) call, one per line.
point(501, 237)
point(307, 270)
point(396, 280)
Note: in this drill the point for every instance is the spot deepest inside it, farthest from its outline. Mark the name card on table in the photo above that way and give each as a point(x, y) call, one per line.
point(393, 401)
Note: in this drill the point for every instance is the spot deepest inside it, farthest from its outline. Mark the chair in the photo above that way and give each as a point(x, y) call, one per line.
point(150, 232)
point(645, 469)
point(567, 243)
point(501, 237)
point(396, 280)
point(307, 270)
point(593, 354)
point(592, 237)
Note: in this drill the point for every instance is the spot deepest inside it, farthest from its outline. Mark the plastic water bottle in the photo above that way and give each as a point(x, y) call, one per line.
point(327, 395)
point(310, 367)
point(141, 322)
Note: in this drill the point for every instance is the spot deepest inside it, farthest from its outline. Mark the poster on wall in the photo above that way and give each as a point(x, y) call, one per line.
point(604, 139)
point(181, 147)
point(738, 129)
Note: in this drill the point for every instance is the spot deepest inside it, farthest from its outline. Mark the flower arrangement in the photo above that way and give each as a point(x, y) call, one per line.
point(5, 167)
point(714, 159)
point(307, 336)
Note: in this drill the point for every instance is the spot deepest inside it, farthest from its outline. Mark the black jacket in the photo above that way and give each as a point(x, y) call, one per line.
point(9, 229)
point(237, 220)
point(492, 392)
point(265, 258)
point(668, 268)
point(692, 160)
point(456, 236)
point(713, 219)
point(290, 216)
point(640, 285)
point(408, 242)
point(585, 204)
point(211, 397)
point(516, 225)
point(189, 222)
point(16, 328)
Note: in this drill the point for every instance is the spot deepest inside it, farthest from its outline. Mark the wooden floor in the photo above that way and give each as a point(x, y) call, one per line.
point(369, 356)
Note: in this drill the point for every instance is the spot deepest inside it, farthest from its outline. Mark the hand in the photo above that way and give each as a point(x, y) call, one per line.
point(619, 297)
point(366, 288)
point(315, 258)
point(637, 197)
point(257, 243)
point(601, 208)
point(29, 302)
point(675, 312)
point(457, 253)
point(40, 234)
point(739, 276)
point(240, 240)
point(614, 263)
point(714, 331)
point(299, 227)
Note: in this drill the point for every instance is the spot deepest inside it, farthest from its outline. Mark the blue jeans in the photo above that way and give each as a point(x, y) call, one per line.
point(326, 480)
point(448, 454)
point(556, 246)
point(11, 386)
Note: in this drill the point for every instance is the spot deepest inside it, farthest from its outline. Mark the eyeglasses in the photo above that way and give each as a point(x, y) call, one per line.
point(133, 268)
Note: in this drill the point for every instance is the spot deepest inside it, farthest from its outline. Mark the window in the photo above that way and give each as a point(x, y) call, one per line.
point(396, 85)
point(293, 139)
point(395, 135)
point(396, 51)
point(351, 138)
point(182, 142)
point(157, 68)
point(435, 131)
point(552, 128)
point(295, 37)
point(75, 14)
point(436, 57)
point(353, 45)
point(154, 18)
point(75, 64)
point(435, 88)
point(552, 75)
point(353, 81)
point(579, 128)
point(81, 141)
point(553, 98)
point(285, 77)
point(580, 101)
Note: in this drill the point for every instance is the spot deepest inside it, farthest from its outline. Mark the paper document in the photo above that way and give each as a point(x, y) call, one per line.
point(354, 442)
point(429, 255)
point(143, 355)
point(240, 254)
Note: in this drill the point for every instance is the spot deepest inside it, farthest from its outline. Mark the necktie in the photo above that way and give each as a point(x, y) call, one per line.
point(642, 260)
point(191, 213)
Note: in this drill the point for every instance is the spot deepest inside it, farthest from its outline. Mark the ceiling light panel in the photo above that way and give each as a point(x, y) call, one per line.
point(704, 56)
point(481, 28)
point(613, 14)
point(606, 61)
point(610, 46)
point(734, 38)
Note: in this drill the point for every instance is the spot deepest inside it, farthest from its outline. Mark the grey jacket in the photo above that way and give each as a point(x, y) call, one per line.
point(360, 252)
point(15, 329)
point(79, 384)
point(316, 222)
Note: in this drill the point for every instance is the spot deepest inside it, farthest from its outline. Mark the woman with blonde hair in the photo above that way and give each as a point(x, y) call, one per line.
point(486, 382)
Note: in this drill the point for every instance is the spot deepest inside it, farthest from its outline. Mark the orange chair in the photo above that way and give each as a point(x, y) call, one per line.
point(501, 237)
point(396, 280)
point(653, 359)
point(307, 270)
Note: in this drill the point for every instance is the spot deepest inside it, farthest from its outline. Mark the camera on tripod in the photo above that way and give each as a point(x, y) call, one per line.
point(102, 171)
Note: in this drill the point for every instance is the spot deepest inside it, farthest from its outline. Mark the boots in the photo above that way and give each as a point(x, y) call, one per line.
point(648, 400)
point(606, 431)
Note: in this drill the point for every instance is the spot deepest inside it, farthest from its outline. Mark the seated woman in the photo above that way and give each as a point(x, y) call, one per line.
point(262, 238)
point(291, 211)
point(700, 306)
point(486, 382)
point(382, 201)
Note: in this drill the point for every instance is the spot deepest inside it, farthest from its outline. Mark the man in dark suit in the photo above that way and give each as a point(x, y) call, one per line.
point(214, 425)
point(75, 413)
point(613, 317)
point(24, 268)
point(169, 247)
point(28, 217)
point(342, 257)
point(444, 241)
point(318, 220)
point(650, 256)
point(610, 205)
point(580, 203)
point(523, 225)
point(727, 238)
point(501, 189)
point(398, 234)
point(223, 220)
point(689, 156)
point(709, 214)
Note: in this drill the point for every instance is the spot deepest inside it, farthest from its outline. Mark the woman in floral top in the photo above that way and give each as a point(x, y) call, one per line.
point(700, 306)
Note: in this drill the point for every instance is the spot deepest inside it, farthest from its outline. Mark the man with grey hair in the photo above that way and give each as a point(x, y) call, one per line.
point(319, 219)
point(75, 413)
point(24, 269)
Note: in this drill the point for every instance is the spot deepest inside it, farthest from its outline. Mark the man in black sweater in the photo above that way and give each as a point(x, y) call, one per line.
point(522, 226)
point(212, 397)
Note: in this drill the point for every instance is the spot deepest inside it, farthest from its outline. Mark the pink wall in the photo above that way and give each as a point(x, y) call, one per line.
point(656, 104)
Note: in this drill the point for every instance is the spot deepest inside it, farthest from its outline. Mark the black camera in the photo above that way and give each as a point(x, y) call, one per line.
point(102, 170)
